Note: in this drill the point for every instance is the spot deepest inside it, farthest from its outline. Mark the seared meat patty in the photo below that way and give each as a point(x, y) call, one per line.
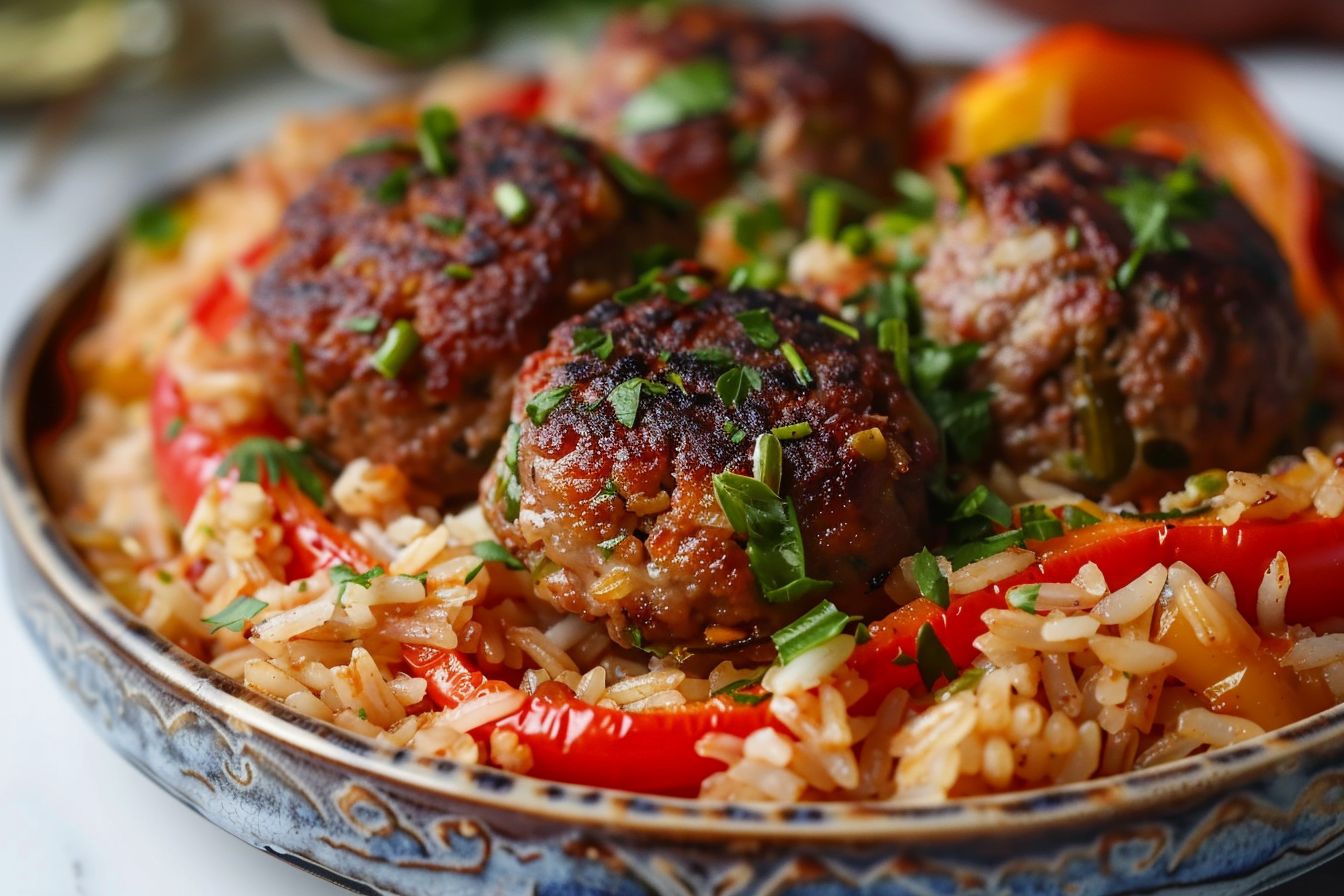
point(470, 270)
point(701, 95)
point(612, 502)
point(1113, 373)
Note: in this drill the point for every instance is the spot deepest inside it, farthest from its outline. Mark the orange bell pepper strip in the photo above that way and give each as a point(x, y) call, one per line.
point(1173, 97)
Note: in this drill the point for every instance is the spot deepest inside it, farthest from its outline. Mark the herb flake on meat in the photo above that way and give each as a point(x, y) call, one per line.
point(257, 453)
point(697, 88)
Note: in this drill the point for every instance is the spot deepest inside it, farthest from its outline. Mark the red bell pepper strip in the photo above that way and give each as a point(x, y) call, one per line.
point(1082, 81)
point(577, 743)
point(1313, 545)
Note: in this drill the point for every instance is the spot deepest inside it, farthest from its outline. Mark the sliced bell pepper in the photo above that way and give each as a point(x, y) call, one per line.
point(1123, 550)
point(578, 743)
point(1172, 97)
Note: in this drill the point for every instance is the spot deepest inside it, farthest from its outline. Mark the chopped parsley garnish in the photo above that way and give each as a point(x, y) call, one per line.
point(545, 401)
point(774, 540)
point(983, 503)
point(694, 89)
point(163, 576)
point(1152, 208)
point(675, 379)
point(1039, 524)
point(792, 431)
point(392, 189)
point(296, 364)
point(157, 226)
point(735, 432)
point(718, 357)
point(814, 628)
point(512, 202)
point(966, 681)
point(1076, 517)
point(964, 554)
point(736, 383)
point(611, 544)
point(1072, 236)
point(645, 186)
point(958, 173)
point(929, 579)
point(857, 239)
point(624, 399)
point(494, 552)
point(739, 278)
point(767, 461)
point(173, 428)
point(363, 713)
point(254, 453)
point(365, 324)
point(609, 490)
point(445, 226)
point(932, 658)
point(461, 272)
point(400, 343)
point(235, 615)
point(1023, 597)
point(589, 341)
point(800, 371)
point(759, 327)
point(437, 126)
point(342, 575)
point(840, 326)
point(376, 144)
point(637, 641)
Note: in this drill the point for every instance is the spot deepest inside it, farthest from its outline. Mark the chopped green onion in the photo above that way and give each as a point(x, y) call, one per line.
point(1023, 597)
point(736, 383)
point(893, 335)
point(1039, 524)
point(512, 202)
point(774, 539)
point(792, 431)
point(840, 326)
point(1072, 236)
point(694, 89)
point(235, 615)
point(814, 628)
point(365, 324)
point(1207, 484)
point(759, 327)
point(446, 226)
point(767, 461)
point(1076, 517)
point(986, 547)
point(929, 578)
point(545, 401)
point(296, 363)
point(400, 343)
point(823, 214)
point(459, 271)
point(982, 502)
point(437, 126)
point(800, 371)
point(645, 186)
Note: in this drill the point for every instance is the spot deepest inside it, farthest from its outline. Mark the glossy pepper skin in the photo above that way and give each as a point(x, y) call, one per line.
point(1162, 95)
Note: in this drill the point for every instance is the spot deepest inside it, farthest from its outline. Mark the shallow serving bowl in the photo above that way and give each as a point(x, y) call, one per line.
point(379, 820)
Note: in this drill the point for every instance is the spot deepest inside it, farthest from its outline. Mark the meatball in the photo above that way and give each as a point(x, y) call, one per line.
point(399, 305)
point(610, 495)
point(701, 95)
point(1113, 372)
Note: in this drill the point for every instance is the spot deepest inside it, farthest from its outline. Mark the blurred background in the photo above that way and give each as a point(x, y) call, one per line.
point(104, 103)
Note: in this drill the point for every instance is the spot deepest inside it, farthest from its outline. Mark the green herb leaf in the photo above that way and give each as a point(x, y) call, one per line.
point(823, 214)
point(767, 461)
point(814, 628)
point(966, 681)
point(697, 88)
point(919, 197)
point(173, 428)
point(255, 453)
point(392, 189)
point(296, 364)
point(774, 539)
point(1076, 517)
point(512, 202)
point(235, 615)
point(734, 690)
point(792, 431)
point(893, 335)
point(611, 544)
point(637, 641)
point(930, 580)
point(437, 126)
point(959, 181)
point(342, 575)
point(984, 503)
point(400, 343)
point(1039, 524)
point(596, 342)
point(624, 399)
point(1023, 597)
point(759, 327)
point(157, 226)
point(932, 658)
point(363, 324)
point(735, 432)
point(1072, 236)
point(461, 272)
point(840, 326)
point(541, 404)
point(445, 226)
point(800, 371)
point(494, 552)
point(644, 186)
point(961, 555)
point(1152, 207)
point(717, 356)
point(736, 383)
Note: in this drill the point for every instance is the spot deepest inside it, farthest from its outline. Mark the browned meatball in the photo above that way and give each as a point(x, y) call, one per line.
point(701, 95)
point(379, 240)
point(1110, 377)
point(619, 517)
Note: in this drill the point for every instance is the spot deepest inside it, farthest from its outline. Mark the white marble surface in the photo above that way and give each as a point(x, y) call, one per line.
point(74, 817)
